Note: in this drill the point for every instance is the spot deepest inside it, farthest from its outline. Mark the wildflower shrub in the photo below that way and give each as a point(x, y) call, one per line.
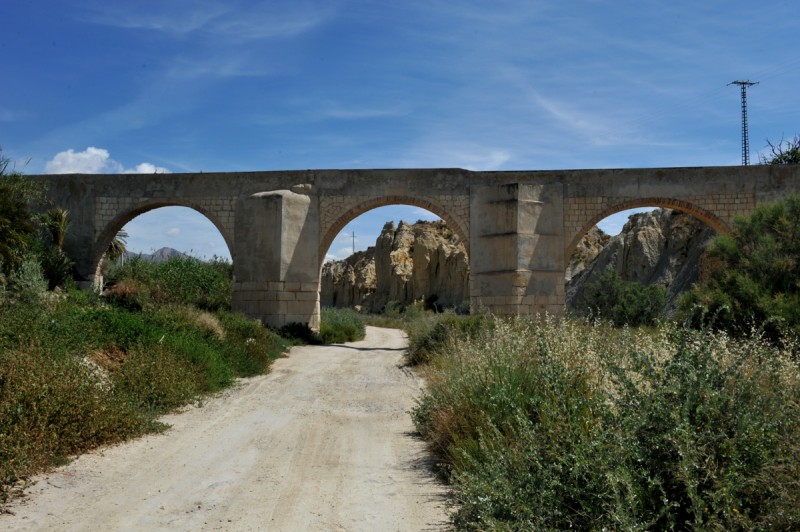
point(572, 425)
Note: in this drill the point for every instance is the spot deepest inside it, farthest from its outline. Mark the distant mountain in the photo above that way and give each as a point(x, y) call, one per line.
point(160, 255)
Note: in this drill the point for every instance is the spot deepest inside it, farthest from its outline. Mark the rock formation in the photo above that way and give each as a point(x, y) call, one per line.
point(658, 247)
point(424, 261)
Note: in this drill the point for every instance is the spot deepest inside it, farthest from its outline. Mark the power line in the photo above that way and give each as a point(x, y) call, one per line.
point(745, 137)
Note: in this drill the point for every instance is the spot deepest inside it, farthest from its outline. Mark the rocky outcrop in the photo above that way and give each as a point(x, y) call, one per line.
point(425, 261)
point(588, 248)
point(412, 262)
point(658, 247)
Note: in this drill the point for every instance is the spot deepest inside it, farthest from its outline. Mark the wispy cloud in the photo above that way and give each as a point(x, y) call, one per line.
point(233, 21)
point(359, 113)
point(217, 66)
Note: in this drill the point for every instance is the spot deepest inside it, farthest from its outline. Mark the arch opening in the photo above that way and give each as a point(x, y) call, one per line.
point(392, 256)
point(656, 243)
point(158, 231)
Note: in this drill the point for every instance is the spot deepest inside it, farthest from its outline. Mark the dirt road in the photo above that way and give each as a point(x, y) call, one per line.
point(324, 442)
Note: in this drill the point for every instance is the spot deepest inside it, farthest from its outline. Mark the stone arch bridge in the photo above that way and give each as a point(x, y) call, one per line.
point(520, 227)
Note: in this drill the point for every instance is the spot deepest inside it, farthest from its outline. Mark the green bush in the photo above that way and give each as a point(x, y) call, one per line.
point(624, 302)
point(79, 372)
point(185, 280)
point(52, 407)
point(299, 334)
point(426, 337)
point(18, 225)
point(27, 285)
point(559, 425)
point(756, 284)
point(339, 325)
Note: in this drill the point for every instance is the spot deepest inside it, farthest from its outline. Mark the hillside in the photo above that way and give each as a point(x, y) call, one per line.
point(411, 262)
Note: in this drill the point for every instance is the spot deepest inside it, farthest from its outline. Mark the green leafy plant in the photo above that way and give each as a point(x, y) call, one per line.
point(756, 284)
point(624, 302)
point(341, 325)
point(560, 425)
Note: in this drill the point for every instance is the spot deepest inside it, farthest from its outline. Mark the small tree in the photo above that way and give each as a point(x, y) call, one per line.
point(118, 247)
point(783, 152)
point(757, 283)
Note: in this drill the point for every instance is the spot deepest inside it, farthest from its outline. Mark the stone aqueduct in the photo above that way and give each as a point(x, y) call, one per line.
point(520, 227)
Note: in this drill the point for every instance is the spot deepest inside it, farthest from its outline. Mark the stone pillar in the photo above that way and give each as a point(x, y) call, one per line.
point(276, 268)
point(517, 249)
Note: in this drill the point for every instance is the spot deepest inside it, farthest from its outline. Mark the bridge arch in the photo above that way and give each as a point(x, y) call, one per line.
point(705, 216)
point(112, 227)
point(329, 233)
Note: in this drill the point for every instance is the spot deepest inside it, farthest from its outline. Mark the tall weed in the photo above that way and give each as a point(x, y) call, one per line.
point(339, 325)
point(556, 425)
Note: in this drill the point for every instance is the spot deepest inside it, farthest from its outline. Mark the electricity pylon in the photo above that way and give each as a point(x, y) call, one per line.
point(745, 137)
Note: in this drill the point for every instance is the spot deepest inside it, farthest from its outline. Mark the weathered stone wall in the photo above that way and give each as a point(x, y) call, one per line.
point(519, 226)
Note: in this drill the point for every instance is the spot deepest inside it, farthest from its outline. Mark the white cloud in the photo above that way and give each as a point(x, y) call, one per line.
point(173, 231)
point(95, 161)
point(90, 161)
point(146, 168)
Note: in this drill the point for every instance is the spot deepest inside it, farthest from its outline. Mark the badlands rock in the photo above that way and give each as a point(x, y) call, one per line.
point(424, 261)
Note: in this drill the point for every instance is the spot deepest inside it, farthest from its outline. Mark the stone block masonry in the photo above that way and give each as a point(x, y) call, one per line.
point(519, 227)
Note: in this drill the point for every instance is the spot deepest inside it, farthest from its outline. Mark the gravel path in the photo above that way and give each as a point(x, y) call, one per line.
point(324, 442)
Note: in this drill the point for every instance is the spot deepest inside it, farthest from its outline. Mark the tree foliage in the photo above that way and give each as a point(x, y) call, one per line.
point(757, 281)
point(624, 302)
point(18, 226)
point(26, 235)
point(783, 152)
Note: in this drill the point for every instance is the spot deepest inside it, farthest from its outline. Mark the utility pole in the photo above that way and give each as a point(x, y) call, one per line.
point(745, 137)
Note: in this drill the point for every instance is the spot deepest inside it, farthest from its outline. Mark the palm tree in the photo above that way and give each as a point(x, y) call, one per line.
point(56, 223)
point(118, 247)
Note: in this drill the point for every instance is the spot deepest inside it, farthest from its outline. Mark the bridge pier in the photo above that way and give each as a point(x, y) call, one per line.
point(517, 249)
point(276, 273)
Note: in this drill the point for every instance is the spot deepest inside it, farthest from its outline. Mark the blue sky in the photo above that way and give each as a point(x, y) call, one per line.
point(226, 85)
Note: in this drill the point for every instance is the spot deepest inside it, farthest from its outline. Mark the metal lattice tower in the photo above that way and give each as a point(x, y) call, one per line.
point(745, 137)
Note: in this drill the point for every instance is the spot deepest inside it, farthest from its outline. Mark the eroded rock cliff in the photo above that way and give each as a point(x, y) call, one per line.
point(411, 262)
point(658, 247)
point(426, 261)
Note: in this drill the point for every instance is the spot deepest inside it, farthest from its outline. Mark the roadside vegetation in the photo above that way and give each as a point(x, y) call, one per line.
point(573, 425)
point(621, 420)
point(79, 369)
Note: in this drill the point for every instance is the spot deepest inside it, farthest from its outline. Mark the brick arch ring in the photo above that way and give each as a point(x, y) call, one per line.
point(113, 227)
point(383, 201)
point(707, 217)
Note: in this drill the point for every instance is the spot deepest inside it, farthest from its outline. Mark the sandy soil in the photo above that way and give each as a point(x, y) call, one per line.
point(324, 442)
